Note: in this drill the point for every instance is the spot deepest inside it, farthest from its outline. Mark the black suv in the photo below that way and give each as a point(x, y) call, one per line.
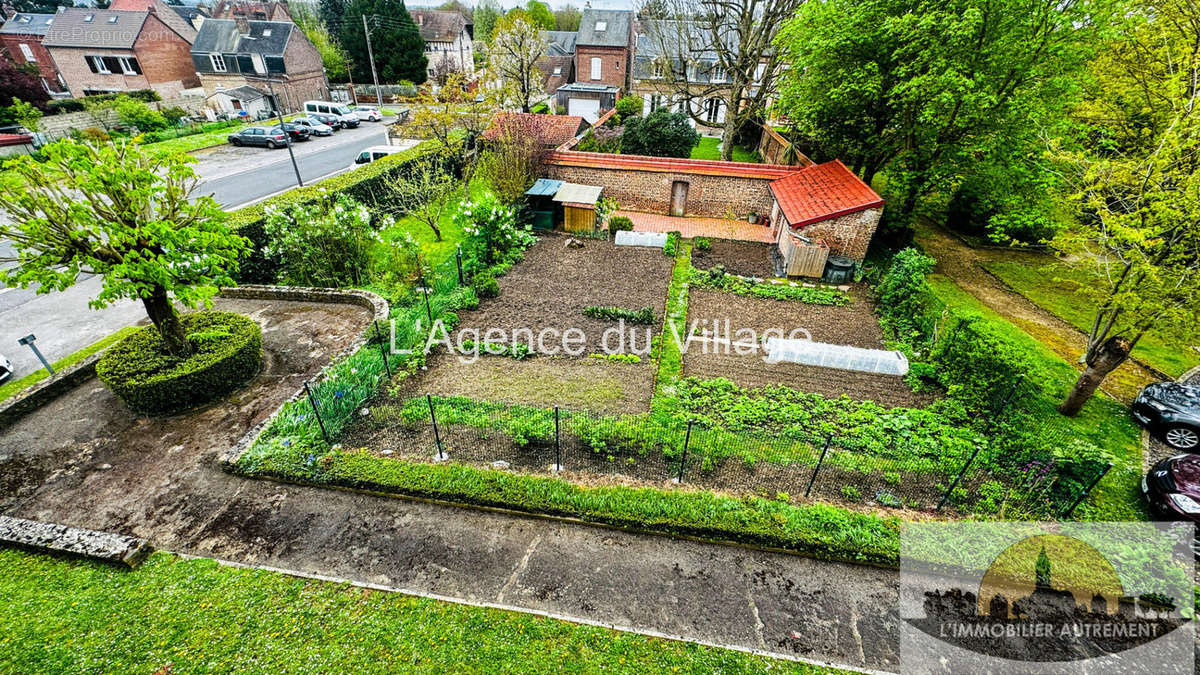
point(1170, 411)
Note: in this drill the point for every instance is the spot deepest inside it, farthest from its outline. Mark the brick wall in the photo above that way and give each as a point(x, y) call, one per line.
point(736, 189)
point(45, 64)
point(614, 62)
point(848, 235)
point(166, 58)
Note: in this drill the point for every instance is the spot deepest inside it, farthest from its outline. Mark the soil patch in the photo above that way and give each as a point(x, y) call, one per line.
point(553, 285)
point(854, 324)
point(747, 258)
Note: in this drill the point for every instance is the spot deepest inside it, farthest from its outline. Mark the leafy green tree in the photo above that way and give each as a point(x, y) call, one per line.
point(629, 106)
point(17, 82)
point(125, 215)
point(333, 57)
point(660, 134)
point(332, 13)
point(921, 89)
point(516, 46)
point(326, 244)
point(567, 17)
point(539, 13)
point(26, 114)
point(398, 48)
point(485, 16)
point(135, 113)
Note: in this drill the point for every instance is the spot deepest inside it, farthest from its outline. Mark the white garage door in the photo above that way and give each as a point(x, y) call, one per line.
point(587, 108)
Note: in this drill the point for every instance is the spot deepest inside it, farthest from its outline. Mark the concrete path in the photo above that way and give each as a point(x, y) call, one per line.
point(696, 226)
point(85, 461)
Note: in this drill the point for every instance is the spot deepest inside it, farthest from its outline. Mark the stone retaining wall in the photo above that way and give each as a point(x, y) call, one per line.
point(54, 538)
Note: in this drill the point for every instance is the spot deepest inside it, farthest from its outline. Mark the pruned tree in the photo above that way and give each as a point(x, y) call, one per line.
point(125, 215)
point(424, 194)
point(454, 119)
point(720, 50)
point(516, 46)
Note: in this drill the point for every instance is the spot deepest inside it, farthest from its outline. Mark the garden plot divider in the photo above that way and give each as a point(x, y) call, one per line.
point(597, 449)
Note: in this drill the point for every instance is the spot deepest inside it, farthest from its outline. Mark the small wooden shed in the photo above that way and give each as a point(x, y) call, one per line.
point(802, 257)
point(546, 211)
point(579, 206)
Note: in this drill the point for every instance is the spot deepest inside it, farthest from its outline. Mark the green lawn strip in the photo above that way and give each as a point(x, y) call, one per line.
point(1103, 421)
point(15, 387)
point(710, 148)
point(674, 332)
point(60, 615)
point(192, 142)
point(818, 530)
point(1053, 288)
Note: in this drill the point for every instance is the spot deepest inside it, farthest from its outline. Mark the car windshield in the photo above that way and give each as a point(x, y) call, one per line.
point(339, 109)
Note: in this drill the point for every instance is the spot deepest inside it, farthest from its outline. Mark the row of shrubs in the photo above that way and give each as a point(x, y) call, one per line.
point(70, 105)
point(642, 317)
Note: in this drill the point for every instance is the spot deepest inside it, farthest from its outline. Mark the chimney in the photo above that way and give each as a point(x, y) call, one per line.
point(243, 25)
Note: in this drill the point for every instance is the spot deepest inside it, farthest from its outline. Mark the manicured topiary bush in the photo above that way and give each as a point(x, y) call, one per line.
point(139, 370)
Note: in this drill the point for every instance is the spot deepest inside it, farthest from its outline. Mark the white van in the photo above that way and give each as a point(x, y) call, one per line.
point(348, 118)
point(375, 152)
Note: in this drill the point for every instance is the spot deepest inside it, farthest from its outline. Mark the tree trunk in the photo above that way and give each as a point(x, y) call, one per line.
point(727, 135)
point(1106, 359)
point(162, 313)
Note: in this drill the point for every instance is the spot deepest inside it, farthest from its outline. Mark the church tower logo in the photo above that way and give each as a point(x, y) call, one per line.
point(1055, 597)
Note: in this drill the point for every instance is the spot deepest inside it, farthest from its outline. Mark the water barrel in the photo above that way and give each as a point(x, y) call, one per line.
point(838, 270)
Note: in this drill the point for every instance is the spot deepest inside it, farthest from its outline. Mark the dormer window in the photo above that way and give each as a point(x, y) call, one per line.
point(267, 33)
point(218, 62)
point(112, 19)
point(601, 26)
point(89, 18)
point(557, 70)
point(26, 19)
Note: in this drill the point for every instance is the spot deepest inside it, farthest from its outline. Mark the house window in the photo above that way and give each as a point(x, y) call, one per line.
point(267, 33)
point(557, 71)
point(100, 64)
point(713, 111)
point(130, 66)
point(27, 53)
point(218, 62)
point(657, 101)
point(596, 67)
point(601, 26)
point(260, 67)
point(112, 19)
point(89, 18)
point(717, 73)
point(657, 71)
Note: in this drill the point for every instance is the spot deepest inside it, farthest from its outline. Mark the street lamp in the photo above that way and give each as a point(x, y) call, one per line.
point(29, 340)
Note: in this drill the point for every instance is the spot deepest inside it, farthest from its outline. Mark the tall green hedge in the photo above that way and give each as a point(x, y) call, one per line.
point(138, 369)
point(366, 184)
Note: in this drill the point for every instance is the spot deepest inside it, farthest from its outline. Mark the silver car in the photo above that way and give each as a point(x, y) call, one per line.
point(5, 368)
point(314, 126)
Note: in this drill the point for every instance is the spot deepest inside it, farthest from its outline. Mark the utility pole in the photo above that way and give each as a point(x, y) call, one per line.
point(371, 58)
point(279, 116)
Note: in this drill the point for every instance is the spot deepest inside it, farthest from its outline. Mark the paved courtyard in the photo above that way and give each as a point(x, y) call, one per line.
point(689, 226)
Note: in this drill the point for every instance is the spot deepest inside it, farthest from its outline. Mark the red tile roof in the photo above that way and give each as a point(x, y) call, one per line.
point(15, 139)
point(822, 191)
point(552, 130)
point(708, 167)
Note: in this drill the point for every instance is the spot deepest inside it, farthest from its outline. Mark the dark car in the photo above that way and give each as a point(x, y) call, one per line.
point(5, 368)
point(260, 136)
point(296, 132)
point(1172, 489)
point(332, 120)
point(1170, 411)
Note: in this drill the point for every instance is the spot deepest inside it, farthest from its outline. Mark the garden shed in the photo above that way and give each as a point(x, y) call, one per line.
point(579, 206)
point(546, 211)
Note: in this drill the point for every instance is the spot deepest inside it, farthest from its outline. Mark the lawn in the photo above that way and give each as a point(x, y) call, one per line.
point(710, 148)
point(15, 387)
point(1103, 421)
point(1053, 288)
point(188, 616)
point(192, 142)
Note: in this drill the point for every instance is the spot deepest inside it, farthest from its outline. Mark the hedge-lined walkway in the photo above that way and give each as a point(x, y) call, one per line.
point(159, 479)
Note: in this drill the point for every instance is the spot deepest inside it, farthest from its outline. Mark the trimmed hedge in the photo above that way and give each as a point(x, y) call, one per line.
point(367, 185)
point(228, 352)
point(70, 105)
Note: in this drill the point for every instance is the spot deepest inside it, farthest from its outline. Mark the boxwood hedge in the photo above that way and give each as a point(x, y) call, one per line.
point(138, 369)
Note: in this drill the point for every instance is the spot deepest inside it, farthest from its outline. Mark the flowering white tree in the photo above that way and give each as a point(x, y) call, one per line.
point(325, 244)
point(491, 227)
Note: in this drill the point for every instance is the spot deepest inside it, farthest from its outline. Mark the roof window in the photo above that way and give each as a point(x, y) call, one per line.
point(601, 26)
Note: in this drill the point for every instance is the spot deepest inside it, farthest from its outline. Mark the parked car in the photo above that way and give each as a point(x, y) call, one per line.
point(329, 120)
point(1172, 489)
point(1170, 411)
point(294, 131)
point(375, 152)
point(348, 118)
point(314, 126)
point(262, 136)
point(367, 113)
point(6, 370)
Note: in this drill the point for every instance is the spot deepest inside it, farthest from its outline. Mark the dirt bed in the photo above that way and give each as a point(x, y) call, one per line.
point(553, 285)
point(854, 324)
point(748, 258)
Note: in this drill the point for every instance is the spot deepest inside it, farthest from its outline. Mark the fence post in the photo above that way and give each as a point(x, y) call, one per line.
point(1012, 393)
point(557, 444)
point(824, 450)
point(1083, 495)
point(437, 436)
point(957, 478)
point(458, 259)
point(383, 350)
point(687, 440)
point(428, 310)
point(312, 400)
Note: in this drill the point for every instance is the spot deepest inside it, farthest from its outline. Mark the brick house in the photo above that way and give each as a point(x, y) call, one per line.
point(264, 55)
point(449, 46)
point(557, 65)
point(550, 130)
point(824, 202)
point(603, 57)
point(21, 36)
point(169, 14)
point(99, 51)
point(256, 11)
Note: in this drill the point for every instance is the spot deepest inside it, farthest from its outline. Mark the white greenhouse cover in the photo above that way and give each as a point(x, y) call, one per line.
point(843, 357)
point(651, 239)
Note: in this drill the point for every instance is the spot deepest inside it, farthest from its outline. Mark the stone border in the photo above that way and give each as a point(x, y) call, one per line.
point(45, 391)
point(365, 299)
point(64, 539)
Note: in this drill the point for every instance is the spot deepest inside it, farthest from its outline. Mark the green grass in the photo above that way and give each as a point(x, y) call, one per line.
point(709, 148)
point(62, 616)
point(1053, 289)
point(435, 251)
point(15, 387)
point(194, 142)
point(1102, 421)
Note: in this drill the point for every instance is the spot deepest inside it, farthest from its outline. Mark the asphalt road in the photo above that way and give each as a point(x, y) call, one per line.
point(64, 323)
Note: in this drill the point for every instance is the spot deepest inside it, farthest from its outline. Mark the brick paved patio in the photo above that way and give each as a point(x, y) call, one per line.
point(714, 228)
